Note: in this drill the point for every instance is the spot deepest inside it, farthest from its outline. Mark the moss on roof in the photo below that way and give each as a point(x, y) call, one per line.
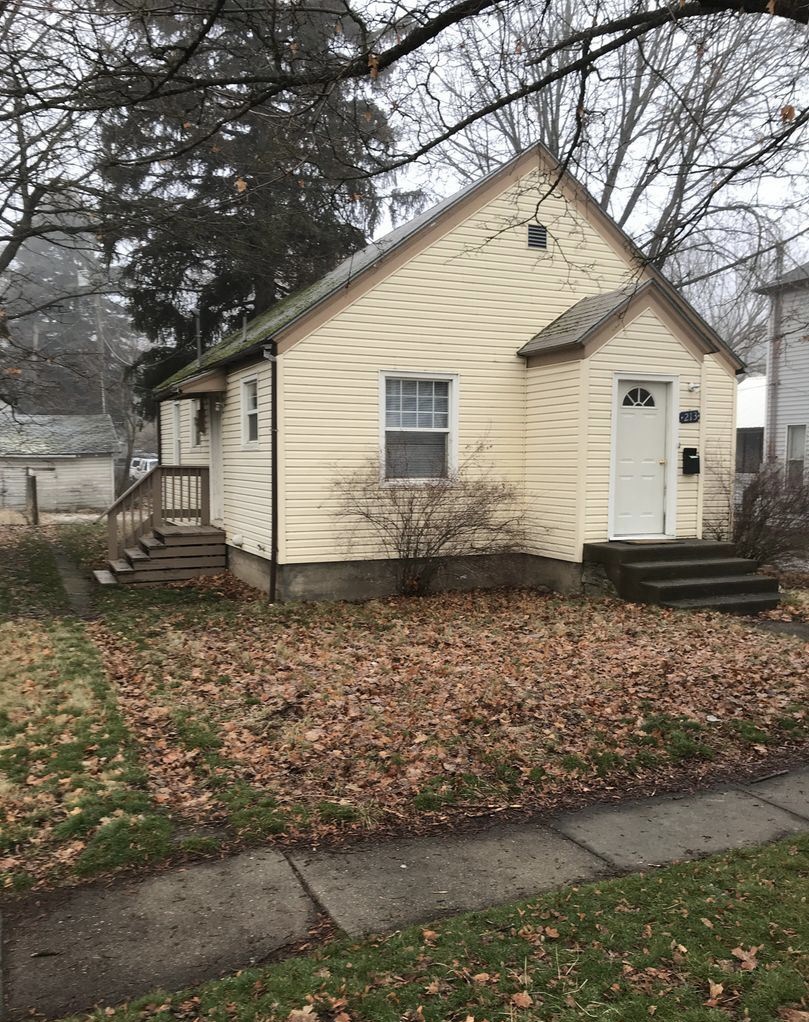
point(258, 329)
point(262, 327)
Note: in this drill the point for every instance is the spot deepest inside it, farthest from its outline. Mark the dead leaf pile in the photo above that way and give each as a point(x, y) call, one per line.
point(402, 709)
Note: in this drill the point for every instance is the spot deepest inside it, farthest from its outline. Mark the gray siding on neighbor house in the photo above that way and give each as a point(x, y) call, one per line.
point(63, 484)
point(791, 389)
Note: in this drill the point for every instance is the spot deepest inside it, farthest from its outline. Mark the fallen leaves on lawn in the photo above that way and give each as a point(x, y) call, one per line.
point(522, 999)
point(747, 959)
point(460, 704)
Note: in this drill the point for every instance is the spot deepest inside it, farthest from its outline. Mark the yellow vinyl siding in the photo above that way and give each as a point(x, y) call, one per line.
point(463, 305)
point(644, 345)
point(166, 432)
point(246, 478)
point(189, 455)
point(718, 445)
point(552, 452)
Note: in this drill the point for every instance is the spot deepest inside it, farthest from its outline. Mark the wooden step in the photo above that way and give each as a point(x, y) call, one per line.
point(120, 567)
point(188, 535)
point(156, 550)
point(170, 563)
point(170, 575)
point(135, 555)
point(104, 577)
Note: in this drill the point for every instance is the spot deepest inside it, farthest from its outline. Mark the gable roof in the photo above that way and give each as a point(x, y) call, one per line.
point(573, 328)
point(798, 277)
point(42, 436)
point(263, 329)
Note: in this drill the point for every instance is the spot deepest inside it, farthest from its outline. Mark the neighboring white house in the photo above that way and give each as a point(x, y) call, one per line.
point(751, 413)
point(787, 423)
point(71, 456)
point(505, 315)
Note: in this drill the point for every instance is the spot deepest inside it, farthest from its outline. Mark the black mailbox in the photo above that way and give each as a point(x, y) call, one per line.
point(690, 461)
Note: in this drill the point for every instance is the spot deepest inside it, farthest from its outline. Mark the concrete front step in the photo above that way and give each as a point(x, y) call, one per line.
point(691, 574)
point(623, 552)
point(640, 571)
point(664, 590)
point(740, 603)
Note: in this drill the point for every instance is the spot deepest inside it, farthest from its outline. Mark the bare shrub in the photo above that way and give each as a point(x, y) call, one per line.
point(419, 523)
point(771, 521)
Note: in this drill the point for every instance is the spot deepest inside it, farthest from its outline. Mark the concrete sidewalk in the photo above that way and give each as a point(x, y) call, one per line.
point(104, 944)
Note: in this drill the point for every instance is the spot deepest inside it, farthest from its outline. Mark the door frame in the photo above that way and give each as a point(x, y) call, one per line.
point(672, 445)
point(216, 474)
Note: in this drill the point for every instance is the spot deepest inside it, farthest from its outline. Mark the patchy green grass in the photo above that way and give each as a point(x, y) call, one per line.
point(724, 938)
point(85, 543)
point(73, 797)
point(75, 800)
point(311, 721)
point(29, 582)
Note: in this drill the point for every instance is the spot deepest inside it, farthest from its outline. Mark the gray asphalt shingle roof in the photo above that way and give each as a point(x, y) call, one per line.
point(799, 275)
point(262, 327)
point(42, 436)
point(243, 343)
point(575, 325)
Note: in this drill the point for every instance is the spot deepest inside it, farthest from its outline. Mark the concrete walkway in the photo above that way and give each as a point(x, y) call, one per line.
point(104, 944)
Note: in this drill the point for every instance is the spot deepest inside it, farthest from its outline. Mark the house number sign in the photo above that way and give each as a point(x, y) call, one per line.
point(692, 416)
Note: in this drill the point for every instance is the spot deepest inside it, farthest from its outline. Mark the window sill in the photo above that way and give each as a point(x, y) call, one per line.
point(426, 481)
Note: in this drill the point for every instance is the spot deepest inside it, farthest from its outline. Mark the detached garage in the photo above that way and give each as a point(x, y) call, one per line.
point(71, 456)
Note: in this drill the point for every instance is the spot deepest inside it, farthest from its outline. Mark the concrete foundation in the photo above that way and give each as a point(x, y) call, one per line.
point(367, 580)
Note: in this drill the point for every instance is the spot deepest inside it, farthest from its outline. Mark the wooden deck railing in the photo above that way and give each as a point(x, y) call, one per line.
point(174, 494)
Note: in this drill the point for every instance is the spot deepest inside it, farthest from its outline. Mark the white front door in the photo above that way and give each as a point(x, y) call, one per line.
point(217, 503)
point(641, 444)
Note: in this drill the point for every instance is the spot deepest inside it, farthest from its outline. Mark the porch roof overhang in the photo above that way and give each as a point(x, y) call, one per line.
point(592, 320)
point(211, 382)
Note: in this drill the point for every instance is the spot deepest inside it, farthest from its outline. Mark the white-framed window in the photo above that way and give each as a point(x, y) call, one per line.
point(418, 431)
point(796, 454)
point(250, 411)
point(176, 427)
point(198, 427)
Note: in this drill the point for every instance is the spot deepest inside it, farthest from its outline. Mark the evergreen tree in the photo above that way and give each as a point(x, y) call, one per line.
point(260, 209)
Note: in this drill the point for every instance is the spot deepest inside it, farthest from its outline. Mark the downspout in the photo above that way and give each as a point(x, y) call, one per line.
point(271, 354)
point(159, 436)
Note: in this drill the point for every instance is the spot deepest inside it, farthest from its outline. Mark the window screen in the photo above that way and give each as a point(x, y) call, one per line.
point(749, 449)
point(416, 428)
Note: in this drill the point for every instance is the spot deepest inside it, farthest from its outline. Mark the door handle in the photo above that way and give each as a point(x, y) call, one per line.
point(662, 461)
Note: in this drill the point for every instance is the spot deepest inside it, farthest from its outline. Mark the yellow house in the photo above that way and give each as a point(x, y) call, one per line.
point(516, 315)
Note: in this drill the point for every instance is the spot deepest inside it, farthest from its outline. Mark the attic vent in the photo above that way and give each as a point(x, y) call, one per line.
point(537, 236)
